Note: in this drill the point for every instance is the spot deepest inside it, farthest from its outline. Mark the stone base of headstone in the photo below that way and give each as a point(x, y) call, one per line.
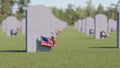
point(41, 48)
point(100, 25)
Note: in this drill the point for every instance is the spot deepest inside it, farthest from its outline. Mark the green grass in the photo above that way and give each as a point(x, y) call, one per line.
point(73, 50)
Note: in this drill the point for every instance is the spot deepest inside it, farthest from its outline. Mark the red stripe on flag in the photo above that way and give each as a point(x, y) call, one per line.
point(50, 42)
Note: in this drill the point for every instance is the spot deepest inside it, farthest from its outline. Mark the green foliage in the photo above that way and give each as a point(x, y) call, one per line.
point(79, 13)
point(21, 5)
point(59, 13)
point(112, 11)
point(71, 14)
point(89, 9)
point(100, 9)
point(72, 50)
point(6, 8)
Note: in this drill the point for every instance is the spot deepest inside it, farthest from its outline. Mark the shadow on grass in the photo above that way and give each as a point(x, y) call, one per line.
point(12, 50)
point(103, 47)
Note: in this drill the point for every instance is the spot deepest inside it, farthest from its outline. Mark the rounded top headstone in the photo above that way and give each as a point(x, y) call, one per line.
point(101, 16)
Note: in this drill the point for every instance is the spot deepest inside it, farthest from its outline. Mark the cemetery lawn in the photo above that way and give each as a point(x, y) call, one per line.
point(73, 50)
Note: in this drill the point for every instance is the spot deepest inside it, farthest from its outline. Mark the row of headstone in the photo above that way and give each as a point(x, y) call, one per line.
point(85, 25)
point(95, 26)
point(40, 21)
point(100, 25)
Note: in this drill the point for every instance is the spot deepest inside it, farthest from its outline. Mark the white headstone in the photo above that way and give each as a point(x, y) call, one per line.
point(100, 25)
point(89, 25)
point(112, 25)
point(56, 23)
point(75, 25)
point(23, 26)
point(83, 26)
point(11, 23)
point(40, 21)
point(79, 25)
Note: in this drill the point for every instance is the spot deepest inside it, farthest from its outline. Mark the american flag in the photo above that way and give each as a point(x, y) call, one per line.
point(45, 41)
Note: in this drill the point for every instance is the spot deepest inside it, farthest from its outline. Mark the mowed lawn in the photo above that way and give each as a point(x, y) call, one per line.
point(73, 50)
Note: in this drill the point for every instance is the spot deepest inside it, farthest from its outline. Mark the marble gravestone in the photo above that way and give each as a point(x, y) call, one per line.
point(40, 21)
point(23, 26)
point(19, 25)
point(57, 25)
point(12, 23)
point(76, 25)
point(83, 28)
point(100, 25)
point(111, 25)
point(79, 25)
point(37, 24)
point(89, 25)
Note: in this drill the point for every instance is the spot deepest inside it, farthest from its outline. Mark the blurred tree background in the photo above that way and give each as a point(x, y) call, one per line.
point(71, 14)
point(7, 8)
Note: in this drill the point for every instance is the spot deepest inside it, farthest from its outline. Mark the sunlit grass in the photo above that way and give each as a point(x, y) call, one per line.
point(73, 50)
